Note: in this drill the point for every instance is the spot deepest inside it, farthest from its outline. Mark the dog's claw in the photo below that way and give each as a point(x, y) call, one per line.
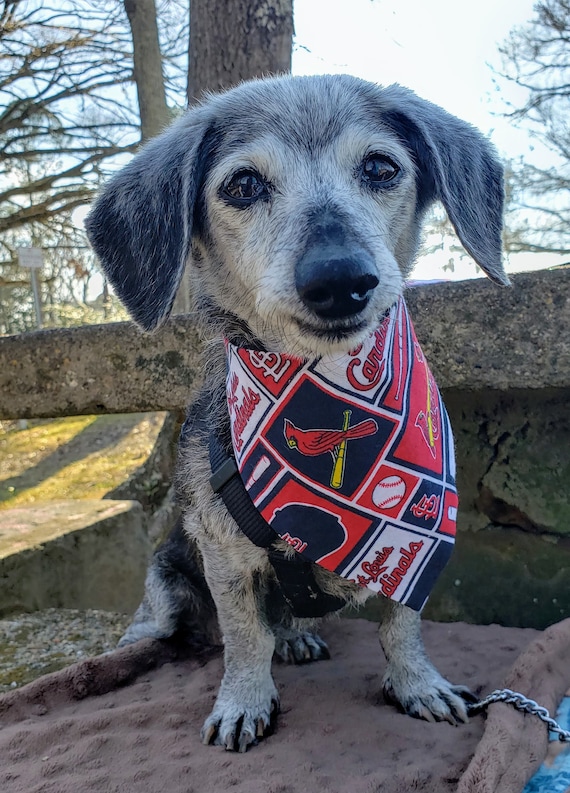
point(432, 699)
point(237, 727)
point(246, 740)
point(208, 733)
point(466, 697)
point(425, 714)
point(261, 727)
point(296, 647)
point(450, 720)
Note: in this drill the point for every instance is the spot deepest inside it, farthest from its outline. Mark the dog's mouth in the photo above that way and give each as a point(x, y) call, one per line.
point(333, 332)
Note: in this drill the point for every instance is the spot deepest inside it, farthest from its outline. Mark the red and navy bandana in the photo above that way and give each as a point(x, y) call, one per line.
point(350, 458)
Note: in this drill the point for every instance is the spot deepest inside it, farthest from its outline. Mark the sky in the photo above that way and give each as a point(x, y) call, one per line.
point(441, 49)
point(444, 50)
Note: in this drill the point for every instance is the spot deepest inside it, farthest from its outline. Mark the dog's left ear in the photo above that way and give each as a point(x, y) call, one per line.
point(458, 166)
point(141, 223)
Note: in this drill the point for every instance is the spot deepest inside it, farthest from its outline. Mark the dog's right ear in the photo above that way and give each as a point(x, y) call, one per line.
point(140, 224)
point(458, 166)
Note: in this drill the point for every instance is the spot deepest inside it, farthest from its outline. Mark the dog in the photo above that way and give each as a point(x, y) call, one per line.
point(298, 204)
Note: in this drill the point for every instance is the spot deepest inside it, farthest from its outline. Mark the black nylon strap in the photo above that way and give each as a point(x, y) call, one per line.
point(295, 574)
point(235, 496)
point(299, 587)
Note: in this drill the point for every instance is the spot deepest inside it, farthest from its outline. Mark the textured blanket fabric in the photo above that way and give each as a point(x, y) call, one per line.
point(514, 744)
point(130, 721)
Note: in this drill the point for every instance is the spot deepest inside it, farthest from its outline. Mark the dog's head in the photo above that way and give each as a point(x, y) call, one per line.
point(299, 201)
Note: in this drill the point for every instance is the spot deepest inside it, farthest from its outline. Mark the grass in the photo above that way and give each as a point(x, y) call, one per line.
point(77, 457)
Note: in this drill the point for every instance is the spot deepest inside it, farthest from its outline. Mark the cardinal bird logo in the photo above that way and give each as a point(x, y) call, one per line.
point(314, 442)
point(428, 421)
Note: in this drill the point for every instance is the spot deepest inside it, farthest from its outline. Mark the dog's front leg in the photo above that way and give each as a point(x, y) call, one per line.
point(411, 681)
point(247, 701)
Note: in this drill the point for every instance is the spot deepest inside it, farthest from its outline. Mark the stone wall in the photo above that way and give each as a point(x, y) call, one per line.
point(475, 335)
point(502, 360)
point(86, 554)
point(511, 563)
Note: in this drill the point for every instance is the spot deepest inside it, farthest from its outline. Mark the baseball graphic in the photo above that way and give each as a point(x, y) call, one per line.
point(389, 492)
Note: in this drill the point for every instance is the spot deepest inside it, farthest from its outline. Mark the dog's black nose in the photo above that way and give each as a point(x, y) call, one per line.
point(334, 284)
point(335, 276)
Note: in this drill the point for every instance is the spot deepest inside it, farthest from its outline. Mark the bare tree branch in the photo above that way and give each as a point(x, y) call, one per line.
point(536, 57)
point(68, 109)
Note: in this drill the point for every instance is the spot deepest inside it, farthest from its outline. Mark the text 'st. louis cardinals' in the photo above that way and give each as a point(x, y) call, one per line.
point(350, 458)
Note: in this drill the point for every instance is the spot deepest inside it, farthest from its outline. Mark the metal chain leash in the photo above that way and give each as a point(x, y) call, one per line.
point(524, 704)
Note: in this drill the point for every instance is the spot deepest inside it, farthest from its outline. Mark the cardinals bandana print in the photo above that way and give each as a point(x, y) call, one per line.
point(350, 458)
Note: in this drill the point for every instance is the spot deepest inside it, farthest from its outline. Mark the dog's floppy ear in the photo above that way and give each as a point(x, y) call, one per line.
point(458, 166)
point(140, 225)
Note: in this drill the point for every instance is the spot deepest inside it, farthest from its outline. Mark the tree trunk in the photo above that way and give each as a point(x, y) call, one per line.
point(147, 67)
point(234, 40)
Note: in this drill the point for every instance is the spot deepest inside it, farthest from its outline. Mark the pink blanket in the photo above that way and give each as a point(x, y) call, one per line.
point(130, 721)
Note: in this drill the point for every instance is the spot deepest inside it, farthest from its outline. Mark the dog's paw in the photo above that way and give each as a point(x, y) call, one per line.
point(299, 647)
point(425, 694)
point(143, 630)
point(237, 724)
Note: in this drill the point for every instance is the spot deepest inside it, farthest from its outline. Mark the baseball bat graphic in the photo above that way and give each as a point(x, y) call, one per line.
point(339, 460)
point(257, 472)
point(429, 418)
point(400, 345)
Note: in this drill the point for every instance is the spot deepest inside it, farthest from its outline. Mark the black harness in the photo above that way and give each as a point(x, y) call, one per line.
point(294, 573)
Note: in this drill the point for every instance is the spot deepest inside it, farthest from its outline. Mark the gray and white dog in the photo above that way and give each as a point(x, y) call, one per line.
point(298, 202)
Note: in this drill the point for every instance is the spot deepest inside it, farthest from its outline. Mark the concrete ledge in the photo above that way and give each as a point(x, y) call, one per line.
point(73, 554)
point(113, 368)
point(476, 336)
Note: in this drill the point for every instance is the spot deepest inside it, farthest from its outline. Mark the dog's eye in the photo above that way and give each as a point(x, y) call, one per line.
point(245, 187)
point(378, 169)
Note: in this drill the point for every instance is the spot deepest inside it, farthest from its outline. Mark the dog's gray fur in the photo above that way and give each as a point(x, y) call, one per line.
point(307, 138)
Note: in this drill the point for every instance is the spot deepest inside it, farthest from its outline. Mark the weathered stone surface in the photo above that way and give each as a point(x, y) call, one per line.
point(513, 454)
point(505, 576)
point(475, 335)
point(112, 368)
point(73, 554)
point(511, 563)
point(528, 482)
point(479, 336)
point(500, 576)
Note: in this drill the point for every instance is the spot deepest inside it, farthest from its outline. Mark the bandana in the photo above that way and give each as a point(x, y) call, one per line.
point(349, 458)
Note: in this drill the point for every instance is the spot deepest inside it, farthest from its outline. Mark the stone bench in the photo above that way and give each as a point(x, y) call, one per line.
point(81, 554)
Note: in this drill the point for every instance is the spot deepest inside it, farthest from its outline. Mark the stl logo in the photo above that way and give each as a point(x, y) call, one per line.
point(314, 442)
point(427, 507)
